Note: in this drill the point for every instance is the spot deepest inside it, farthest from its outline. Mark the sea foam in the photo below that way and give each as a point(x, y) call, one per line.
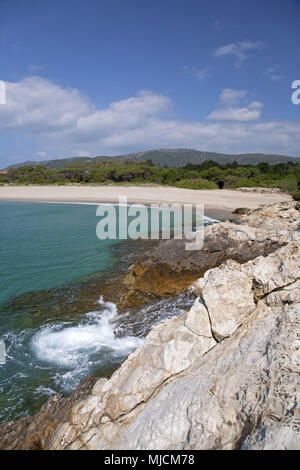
point(77, 348)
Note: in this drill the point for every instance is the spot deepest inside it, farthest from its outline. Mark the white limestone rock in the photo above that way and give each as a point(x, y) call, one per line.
point(228, 297)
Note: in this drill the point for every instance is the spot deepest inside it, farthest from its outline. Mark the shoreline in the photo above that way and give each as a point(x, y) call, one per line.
point(218, 203)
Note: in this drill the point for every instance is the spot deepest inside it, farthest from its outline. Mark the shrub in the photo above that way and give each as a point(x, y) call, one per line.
point(240, 183)
point(288, 184)
point(196, 183)
point(296, 196)
point(170, 175)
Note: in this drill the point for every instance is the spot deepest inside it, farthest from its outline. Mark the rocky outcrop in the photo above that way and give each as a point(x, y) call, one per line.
point(281, 217)
point(170, 269)
point(224, 375)
point(227, 295)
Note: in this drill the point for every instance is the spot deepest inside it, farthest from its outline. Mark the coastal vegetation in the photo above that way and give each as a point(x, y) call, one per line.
point(206, 175)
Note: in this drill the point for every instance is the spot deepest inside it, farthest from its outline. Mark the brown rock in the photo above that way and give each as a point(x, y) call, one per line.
point(170, 269)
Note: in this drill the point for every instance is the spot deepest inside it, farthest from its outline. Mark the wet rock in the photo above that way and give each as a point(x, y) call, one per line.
point(242, 211)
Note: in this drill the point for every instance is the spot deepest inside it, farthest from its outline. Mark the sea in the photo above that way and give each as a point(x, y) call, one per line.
point(57, 321)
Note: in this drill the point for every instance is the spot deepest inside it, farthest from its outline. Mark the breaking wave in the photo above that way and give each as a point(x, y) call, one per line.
point(78, 349)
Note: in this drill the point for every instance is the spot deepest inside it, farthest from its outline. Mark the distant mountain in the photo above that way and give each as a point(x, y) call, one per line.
point(180, 157)
point(60, 162)
point(170, 158)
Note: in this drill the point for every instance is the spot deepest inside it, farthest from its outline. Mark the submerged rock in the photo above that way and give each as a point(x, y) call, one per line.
point(224, 375)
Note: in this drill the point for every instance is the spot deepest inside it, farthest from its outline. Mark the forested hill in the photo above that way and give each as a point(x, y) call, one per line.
point(181, 157)
point(169, 157)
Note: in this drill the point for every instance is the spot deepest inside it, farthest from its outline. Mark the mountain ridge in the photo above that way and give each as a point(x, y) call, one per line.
point(170, 157)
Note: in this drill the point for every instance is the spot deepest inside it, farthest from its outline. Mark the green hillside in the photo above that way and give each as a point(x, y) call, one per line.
point(168, 157)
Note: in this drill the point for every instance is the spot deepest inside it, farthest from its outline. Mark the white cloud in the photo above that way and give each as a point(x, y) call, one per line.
point(239, 49)
point(198, 74)
point(227, 137)
point(203, 73)
point(272, 74)
point(56, 121)
point(230, 111)
point(229, 96)
point(122, 115)
point(235, 114)
point(255, 105)
point(36, 106)
point(41, 154)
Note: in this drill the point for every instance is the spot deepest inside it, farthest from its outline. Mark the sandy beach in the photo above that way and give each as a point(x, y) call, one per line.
point(218, 203)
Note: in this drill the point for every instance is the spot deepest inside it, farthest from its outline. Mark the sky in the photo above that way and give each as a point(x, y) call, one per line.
point(93, 77)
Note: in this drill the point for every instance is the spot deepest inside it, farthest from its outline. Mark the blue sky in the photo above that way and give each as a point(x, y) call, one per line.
point(105, 78)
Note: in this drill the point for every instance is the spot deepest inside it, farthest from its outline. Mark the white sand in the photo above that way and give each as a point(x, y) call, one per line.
point(215, 201)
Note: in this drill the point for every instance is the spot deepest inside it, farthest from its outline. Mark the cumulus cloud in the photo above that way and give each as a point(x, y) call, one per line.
point(227, 137)
point(36, 106)
point(239, 49)
point(230, 111)
point(54, 121)
point(236, 114)
point(122, 115)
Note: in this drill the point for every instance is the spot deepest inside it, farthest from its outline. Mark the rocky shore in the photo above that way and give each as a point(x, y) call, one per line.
point(224, 375)
point(169, 269)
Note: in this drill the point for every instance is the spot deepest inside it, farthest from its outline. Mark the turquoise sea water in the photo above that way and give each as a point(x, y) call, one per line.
point(46, 245)
point(55, 323)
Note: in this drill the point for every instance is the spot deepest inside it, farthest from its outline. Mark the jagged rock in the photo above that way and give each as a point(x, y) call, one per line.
point(197, 320)
point(169, 349)
point(170, 269)
point(228, 297)
point(288, 295)
point(276, 270)
point(274, 217)
point(232, 396)
point(225, 375)
point(26, 433)
point(228, 292)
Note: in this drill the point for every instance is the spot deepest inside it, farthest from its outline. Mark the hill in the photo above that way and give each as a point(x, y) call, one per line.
point(180, 157)
point(169, 157)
